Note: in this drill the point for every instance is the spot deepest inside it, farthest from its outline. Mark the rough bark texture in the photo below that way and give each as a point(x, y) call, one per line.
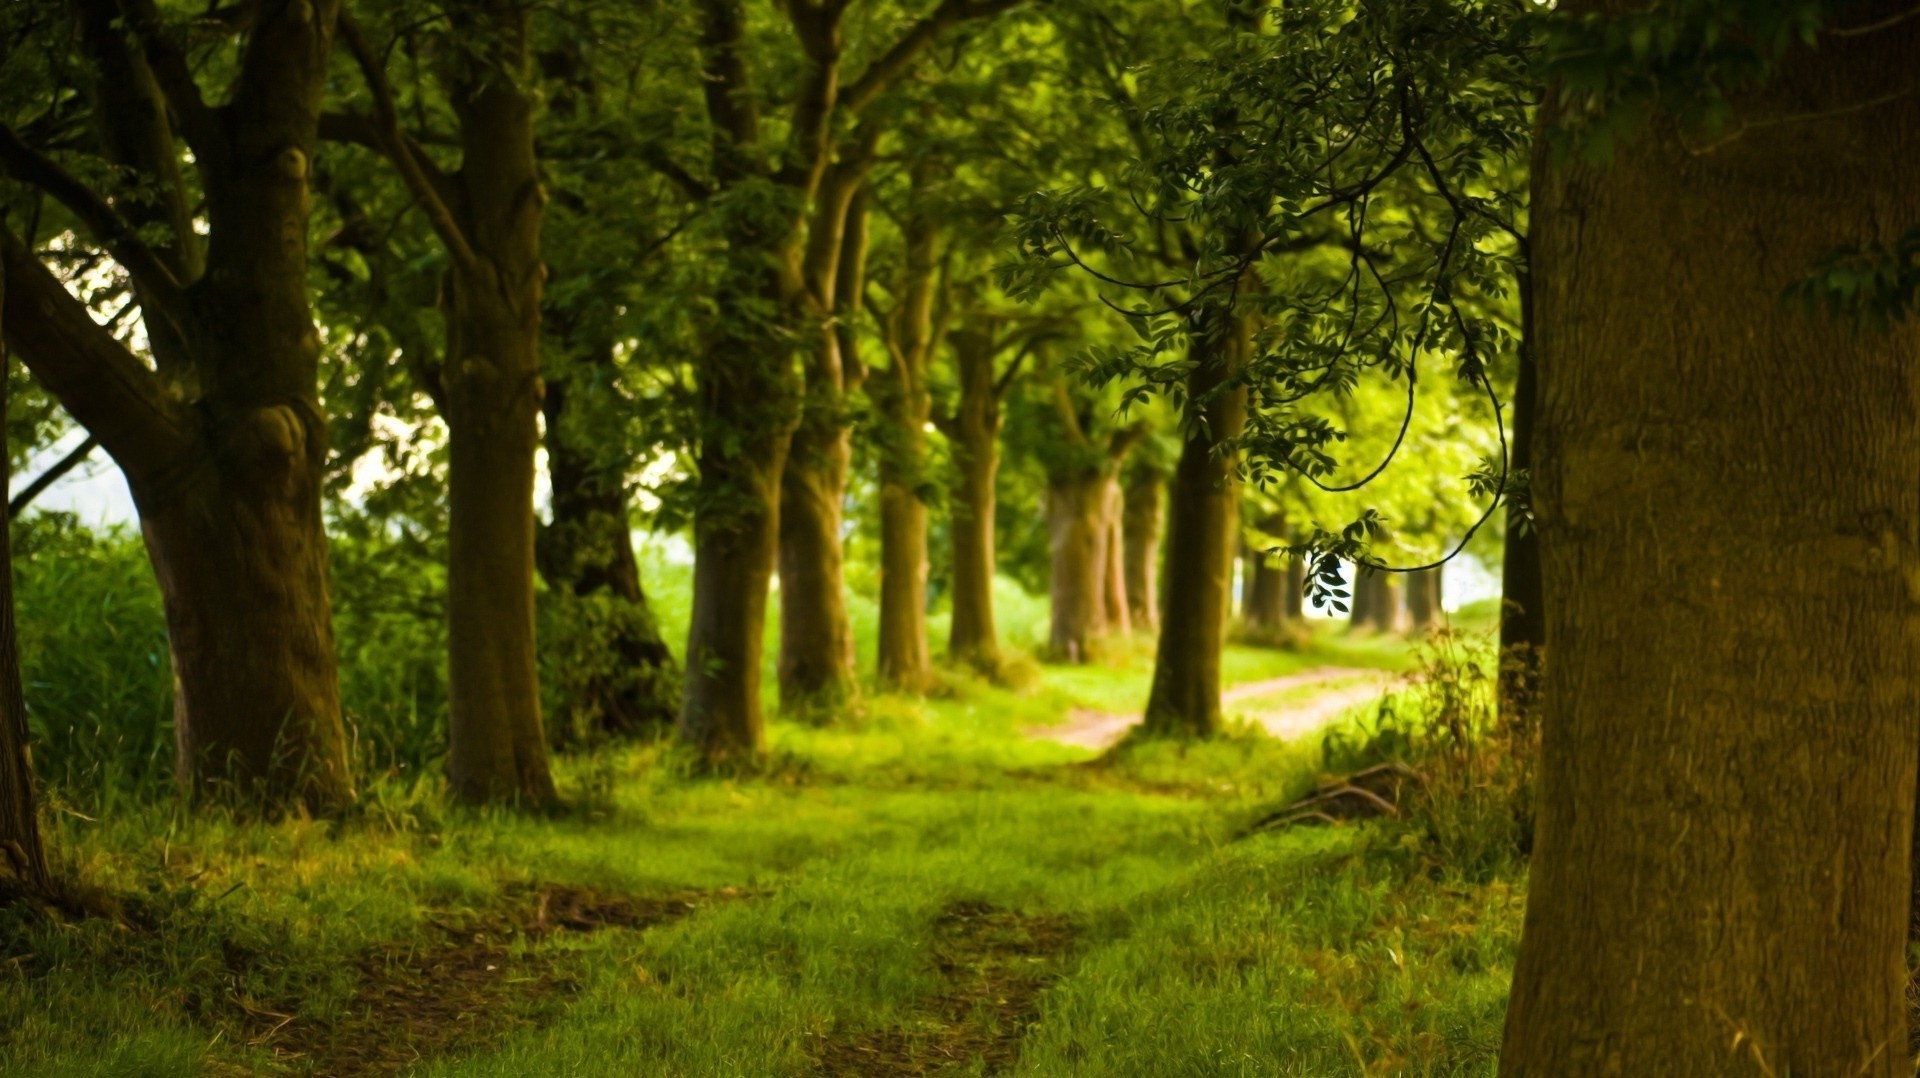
point(1423, 600)
point(1142, 524)
point(228, 486)
point(1203, 537)
point(491, 387)
point(633, 686)
point(23, 861)
point(1728, 520)
point(974, 435)
point(905, 406)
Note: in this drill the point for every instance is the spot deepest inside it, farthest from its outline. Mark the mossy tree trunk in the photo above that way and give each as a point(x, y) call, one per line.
point(1727, 510)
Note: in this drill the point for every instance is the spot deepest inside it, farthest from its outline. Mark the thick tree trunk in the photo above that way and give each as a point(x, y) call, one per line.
point(905, 406)
point(1296, 589)
point(1077, 538)
point(1727, 507)
point(1202, 538)
point(632, 685)
point(1114, 585)
point(1263, 609)
point(816, 633)
point(235, 529)
point(975, 440)
point(1366, 595)
point(23, 861)
point(816, 665)
point(1423, 600)
point(491, 386)
point(736, 533)
point(1141, 526)
point(1384, 613)
point(1522, 596)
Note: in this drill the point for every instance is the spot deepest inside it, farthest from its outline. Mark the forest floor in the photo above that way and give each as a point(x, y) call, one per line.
point(924, 887)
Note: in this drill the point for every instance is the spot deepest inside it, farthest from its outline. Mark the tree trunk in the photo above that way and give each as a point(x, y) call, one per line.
point(1366, 595)
point(1384, 614)
point(975, 442)
point(1296, 589)
point(1522, 596)
point(23, 861)
point(496, 747)
point(1264, 609)
point(1728, 510)
point(736, 531)
point(1114, 588)
point(905, 406)
point(631, 683)
point(1423, 600)
point(1077, 537)
point(816, 634)
point(1202, 538)
point(1141, 526)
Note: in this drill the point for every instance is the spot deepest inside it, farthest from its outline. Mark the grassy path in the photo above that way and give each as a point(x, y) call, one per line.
point(919, 889)
point(1329, 691)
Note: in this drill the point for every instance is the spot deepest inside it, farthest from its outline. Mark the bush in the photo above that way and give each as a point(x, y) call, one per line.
point(1472, 810)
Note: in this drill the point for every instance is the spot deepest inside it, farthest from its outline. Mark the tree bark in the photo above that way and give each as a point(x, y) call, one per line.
point(228, 487)
point(1202, 539)
point(632, 685)
point(1423, 600)
point(23, 861)
point(1522, 595)
point(816, 634)
point(1142, 524)
point(1114, 586)
point(975, 440)
point(905, 406)
point(1728, 514)
point(1296, 589)
point(496, 747)
point(1077, 538)
point(1263, 610)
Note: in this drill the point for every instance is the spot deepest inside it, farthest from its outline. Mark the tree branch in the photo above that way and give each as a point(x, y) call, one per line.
point(728, 88)
point(198, 121)
point(95, 378)
point(392, 143)
point(19, 502)
point(893, 63)
point(30, 166)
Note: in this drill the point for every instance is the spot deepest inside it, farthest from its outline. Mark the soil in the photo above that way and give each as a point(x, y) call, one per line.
point(1345, 687)
point(994, 964)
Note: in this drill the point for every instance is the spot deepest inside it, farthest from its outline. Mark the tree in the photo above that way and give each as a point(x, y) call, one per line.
point(21, 856)
point(904, 404)
point(1726, 785)
point(784, 227)
point(223, 441)
point(487, 214)
point(1143, 523)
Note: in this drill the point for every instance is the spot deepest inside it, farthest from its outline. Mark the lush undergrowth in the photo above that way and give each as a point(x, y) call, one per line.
point(919, 887)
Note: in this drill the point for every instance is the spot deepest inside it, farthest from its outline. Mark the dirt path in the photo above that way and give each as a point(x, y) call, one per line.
point(1342, 687)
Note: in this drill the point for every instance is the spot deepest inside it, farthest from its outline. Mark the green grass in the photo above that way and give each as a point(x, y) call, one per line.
point(1310, 952)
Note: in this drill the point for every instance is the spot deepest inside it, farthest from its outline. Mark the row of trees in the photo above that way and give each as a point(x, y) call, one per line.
point(732, 235)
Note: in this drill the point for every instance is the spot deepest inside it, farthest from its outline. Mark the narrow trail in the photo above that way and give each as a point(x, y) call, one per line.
point(1341, 688)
